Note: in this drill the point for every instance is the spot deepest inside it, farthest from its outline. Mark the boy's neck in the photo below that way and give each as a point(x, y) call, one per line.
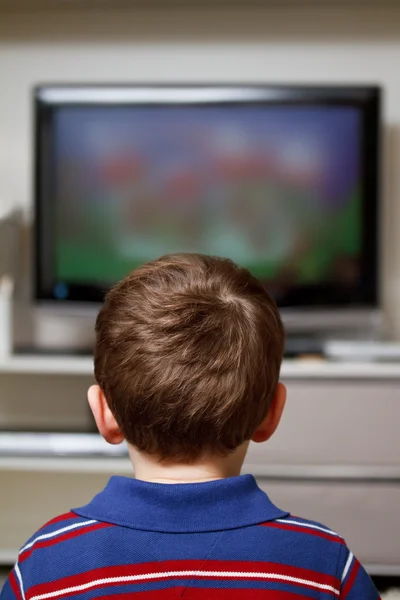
point(151, 469)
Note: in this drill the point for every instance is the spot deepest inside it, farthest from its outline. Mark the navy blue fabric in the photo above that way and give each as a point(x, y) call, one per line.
point(182, 508)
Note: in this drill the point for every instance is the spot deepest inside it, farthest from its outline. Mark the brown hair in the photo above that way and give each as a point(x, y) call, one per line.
point(188, 353)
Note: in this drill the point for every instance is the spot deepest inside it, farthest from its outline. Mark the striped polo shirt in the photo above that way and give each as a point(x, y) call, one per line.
point(217, 540)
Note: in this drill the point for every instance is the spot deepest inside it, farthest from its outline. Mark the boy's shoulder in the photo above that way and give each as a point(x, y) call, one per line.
point(59, 529)
point(321, 547)
point(45, 554)
point(300, 537)
point(307, 527)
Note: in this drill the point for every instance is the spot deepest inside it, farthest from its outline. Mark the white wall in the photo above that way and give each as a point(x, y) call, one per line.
point(343, 45)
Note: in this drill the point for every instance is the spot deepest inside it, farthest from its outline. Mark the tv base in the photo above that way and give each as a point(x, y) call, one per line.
point(296, 347)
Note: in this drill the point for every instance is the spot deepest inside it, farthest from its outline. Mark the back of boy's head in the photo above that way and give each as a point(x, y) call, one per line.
point(188, 353)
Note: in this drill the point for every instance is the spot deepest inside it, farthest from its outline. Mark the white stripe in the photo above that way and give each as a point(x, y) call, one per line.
point(347, 566)
point(46, 536)
point(172, 574)
point(309, 526)
point(21, 584)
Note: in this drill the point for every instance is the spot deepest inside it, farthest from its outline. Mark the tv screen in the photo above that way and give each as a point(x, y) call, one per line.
point(281, 180)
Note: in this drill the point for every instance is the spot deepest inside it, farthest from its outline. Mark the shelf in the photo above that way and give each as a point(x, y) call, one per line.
point(8, 558)
point(324, 369)
point(291, 369)
point(121, 466)
point(63, 464)
point(48, 365)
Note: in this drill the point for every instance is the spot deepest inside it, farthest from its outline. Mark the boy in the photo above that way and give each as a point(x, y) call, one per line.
point(187, 360)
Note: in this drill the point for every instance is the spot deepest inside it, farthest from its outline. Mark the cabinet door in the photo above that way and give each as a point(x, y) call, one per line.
point(335, 423)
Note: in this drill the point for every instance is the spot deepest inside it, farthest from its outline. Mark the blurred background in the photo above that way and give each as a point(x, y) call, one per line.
point(130, 184)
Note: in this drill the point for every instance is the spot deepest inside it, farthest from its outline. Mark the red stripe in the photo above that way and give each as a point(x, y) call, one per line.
point(306, 530)
point(208, 593)
point(64, 517)
point(350, 579)
point(62, 538)
point(15, 586)
point(171, 593)
point(184, 565)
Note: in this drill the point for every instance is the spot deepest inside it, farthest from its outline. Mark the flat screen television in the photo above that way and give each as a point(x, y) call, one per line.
point(282, 179)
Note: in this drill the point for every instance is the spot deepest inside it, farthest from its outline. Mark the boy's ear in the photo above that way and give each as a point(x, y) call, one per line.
point(269, 424)
point(105, 420)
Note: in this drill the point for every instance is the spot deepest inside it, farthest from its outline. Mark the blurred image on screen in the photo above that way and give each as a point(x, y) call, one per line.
point(275, 188)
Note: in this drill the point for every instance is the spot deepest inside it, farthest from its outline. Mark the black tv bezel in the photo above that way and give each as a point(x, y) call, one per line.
point(369, 97)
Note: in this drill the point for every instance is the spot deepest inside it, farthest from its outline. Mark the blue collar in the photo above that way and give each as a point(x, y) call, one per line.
point(182, 508)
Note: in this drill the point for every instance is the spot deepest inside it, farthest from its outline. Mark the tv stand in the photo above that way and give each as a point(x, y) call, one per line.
point(46, 351)
point(338, 448)
point(297, 346)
